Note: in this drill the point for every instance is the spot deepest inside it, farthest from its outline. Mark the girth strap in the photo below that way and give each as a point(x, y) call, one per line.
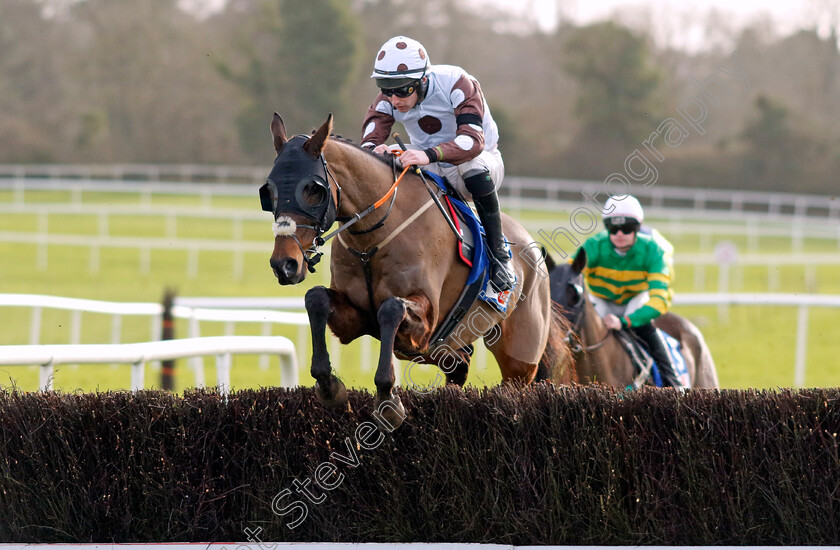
point(462, 305)
point(365, 258)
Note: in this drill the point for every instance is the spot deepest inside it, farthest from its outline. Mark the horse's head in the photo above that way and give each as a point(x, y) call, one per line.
point(299, 194)
point(567, 288)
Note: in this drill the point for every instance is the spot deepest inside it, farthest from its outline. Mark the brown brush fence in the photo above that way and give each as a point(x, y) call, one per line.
point(576, 465)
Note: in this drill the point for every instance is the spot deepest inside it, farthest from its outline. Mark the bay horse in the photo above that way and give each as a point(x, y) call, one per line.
point(396, 275)
point(599, 356)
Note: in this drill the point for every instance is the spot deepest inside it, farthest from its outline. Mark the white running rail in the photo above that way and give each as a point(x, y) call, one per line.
point(138, 354)
point(247, 310)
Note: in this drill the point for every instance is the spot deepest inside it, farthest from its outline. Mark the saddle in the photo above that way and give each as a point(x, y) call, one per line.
point(473, 251)
point(645, 367)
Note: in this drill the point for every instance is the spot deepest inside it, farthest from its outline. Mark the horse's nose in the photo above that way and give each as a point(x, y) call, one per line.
point(285, 269)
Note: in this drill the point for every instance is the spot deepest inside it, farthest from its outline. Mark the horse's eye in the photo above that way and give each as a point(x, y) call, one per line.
point(313, 194)
point(574, 293)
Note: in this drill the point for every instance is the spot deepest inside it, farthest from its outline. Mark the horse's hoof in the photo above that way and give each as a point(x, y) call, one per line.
point(389, 412)
point(334, 395)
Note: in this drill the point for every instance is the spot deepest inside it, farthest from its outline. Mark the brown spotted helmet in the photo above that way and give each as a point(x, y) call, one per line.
point(400, 61)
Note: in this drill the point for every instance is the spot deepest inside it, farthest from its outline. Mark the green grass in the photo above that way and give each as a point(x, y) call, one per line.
point(753, 348)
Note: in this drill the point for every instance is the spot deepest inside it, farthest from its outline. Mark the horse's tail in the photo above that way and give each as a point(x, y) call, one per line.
point(557, 363)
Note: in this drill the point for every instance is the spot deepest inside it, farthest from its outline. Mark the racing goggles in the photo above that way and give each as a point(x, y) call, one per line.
point(627, 227)
point(402, 92)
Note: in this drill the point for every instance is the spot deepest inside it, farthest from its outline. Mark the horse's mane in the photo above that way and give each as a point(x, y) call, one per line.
point(385, 159)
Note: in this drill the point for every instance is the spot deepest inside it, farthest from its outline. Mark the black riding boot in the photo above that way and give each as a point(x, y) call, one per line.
point(659, 351)
point(480, 185)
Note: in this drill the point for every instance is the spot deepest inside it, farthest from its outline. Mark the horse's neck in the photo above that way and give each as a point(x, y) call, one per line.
point(364, 180)
point(593, 329)
point(607, 362)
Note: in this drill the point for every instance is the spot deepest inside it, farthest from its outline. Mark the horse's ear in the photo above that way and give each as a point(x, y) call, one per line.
point(278, 130)
point(549, 261)
point(580, 261)
point(315, 144)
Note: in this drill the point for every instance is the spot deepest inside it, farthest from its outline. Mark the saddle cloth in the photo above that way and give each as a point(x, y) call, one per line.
point(472, 251)
point(646, 368)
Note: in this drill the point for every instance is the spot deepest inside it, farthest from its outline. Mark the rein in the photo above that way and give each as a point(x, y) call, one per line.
point(312, 256)
point(359, 215)
point(575, 343)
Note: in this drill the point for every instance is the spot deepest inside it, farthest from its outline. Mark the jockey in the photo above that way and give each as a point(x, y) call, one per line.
point(628, 273)
point(451, 130)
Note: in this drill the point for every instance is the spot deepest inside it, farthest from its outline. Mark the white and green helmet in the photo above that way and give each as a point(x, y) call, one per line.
point(623, 208)
point(400, 60)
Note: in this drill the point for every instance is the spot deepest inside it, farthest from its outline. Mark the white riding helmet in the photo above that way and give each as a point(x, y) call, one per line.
point(400, 58)
point(623, 206)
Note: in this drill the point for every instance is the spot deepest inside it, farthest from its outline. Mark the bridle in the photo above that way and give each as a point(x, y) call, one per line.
point(300, 184)
point(285, 194)
point(573, 336)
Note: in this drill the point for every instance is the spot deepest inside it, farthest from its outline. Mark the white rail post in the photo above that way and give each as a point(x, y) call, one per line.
point(35, 326)
point(302, 344)
point(45, 381)
point(157, 326)
point(288, 370)
point(138, 375)
point(801, 347)
point(223, 361)
point(266, 331)
point(197, 363)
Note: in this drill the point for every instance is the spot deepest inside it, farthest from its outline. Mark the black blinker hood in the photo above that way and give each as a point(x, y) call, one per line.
point(299, 184)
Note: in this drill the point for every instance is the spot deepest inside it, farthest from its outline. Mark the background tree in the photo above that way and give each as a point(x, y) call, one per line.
point(775, 152)
point(144, 85)
point(294, 57)
point(152, 81)
point(31, 83)
point(616, 94)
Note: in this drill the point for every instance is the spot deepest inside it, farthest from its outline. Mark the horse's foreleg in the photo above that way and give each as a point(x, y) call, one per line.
point(388, 406)
point(329, 389)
